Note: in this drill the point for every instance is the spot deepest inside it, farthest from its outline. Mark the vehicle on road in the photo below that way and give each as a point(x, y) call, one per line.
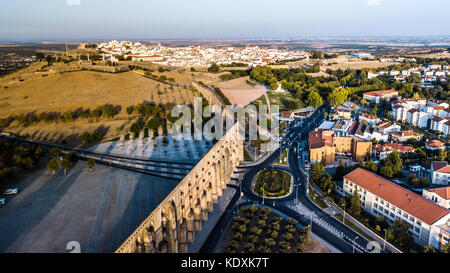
point(11, 191)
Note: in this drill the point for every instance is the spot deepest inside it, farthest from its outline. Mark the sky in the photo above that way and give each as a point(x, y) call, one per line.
point(219, 19)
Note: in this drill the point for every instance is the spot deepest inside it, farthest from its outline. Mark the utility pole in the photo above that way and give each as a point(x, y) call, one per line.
point(354, 240)
point(343, 219)
point(385, 236)
point(263, 195)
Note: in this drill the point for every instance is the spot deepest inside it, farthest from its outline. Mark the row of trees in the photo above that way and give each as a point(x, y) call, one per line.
point(103, 111)
point(58, 160)
point(89, 138)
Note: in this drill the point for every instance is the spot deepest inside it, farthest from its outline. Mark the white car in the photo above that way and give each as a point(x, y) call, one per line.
point(2, 201)
point(11, 191)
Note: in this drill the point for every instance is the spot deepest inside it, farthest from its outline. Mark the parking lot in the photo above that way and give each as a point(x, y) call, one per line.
point(99, 210)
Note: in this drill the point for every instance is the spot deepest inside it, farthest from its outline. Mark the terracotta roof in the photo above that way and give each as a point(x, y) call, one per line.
point(443, 192)
point(446, 169)
point(438, 108)
point(406, 133)
point(381, 93)
point(386, 125)
point(400, 147)
point(414, 204)
point(435, 143)
point(368, 116)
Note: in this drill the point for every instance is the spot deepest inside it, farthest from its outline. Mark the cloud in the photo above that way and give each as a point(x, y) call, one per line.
point(73, 2)
point(373, 2)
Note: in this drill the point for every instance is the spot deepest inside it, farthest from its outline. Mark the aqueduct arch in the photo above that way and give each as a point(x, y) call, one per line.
point(171, 226)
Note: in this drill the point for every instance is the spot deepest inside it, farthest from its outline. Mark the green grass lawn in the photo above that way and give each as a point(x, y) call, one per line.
point(285, 100)
point(276, 183)
point(316, 198)
point(352, 226)
point(247, 156)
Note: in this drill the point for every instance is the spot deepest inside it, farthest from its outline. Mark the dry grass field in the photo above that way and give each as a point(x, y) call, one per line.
point(342, 63)
point(87, 90)
point(68, 91)
point(239, 91)
point(433, 55)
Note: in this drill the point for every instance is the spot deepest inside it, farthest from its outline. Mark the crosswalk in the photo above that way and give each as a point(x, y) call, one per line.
point(301, 209)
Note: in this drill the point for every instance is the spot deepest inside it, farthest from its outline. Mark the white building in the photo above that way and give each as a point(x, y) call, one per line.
point(387, 127)
point(377, 96)
point(440, 196)
point(417, 118)
point(437, 123)
point(429, 223)
point(440, 173)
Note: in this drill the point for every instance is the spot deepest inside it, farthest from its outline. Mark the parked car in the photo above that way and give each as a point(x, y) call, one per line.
point(11, 191)
point(2, 201)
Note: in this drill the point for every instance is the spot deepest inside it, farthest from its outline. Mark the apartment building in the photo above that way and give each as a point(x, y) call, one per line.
point(429, 223)
point(417, 118)
point(324, 145)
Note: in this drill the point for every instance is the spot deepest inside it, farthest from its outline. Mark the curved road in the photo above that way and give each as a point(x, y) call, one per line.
point(325, 226)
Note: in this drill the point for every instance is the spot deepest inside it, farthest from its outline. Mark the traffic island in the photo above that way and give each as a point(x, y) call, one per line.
point(273, 184)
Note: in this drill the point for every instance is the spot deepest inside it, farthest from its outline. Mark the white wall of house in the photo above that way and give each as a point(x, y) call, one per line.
point(439, 178)
point(436, 198)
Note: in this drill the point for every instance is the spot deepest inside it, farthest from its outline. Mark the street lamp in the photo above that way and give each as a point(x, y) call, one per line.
point(354, 240)
point(385, 236)
point(343, 219)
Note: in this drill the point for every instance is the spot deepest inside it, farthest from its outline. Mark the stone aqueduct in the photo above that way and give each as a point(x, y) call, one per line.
point(172, 225)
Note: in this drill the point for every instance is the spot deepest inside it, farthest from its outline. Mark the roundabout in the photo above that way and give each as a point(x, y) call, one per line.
point(273, 183)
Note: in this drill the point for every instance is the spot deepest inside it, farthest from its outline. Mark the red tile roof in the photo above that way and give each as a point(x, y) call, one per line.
point(381, 93)
point(369, 116)
point(443, 192)
point(406, 133)
point(435, 143)
point(446, 169)
point(400, 147)
point(414, 204)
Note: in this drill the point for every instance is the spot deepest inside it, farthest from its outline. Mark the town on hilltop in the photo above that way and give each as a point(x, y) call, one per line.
point(196, 55)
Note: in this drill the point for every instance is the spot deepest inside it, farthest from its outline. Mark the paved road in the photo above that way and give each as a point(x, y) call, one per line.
point(325, 226)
